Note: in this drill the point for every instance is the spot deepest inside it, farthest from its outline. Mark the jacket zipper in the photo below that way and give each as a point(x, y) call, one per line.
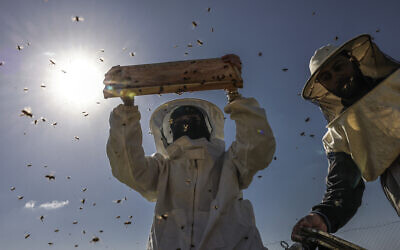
point(194, 202)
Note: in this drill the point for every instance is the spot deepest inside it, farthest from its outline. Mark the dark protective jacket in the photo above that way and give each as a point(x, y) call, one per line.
point(345, 188)
point(344, 192)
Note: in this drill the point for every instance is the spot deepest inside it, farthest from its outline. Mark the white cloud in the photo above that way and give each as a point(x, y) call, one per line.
point(30, 204)
point(48, 53)
point(54, 204)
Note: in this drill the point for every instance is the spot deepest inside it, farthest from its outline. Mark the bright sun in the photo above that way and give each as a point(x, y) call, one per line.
point(78, 80)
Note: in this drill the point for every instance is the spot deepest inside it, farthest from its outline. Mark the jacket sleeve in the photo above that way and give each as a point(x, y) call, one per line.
point(344, 191)
point(125, 152)
point(254, 146)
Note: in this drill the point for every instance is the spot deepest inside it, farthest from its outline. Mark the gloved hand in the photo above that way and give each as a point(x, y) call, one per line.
point(311, 221)
point(128, 101)
point(234, 60)
point(232, 94)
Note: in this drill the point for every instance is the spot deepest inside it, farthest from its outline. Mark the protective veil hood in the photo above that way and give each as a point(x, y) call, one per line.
point(160, 121)
point(373, 64)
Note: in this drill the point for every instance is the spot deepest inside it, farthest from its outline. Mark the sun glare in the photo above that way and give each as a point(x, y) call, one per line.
point(77, 80)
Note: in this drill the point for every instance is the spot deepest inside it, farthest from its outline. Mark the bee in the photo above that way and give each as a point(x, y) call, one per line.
point(42, 85)
point(260, 176)
point(312, 135)
point(41, 218)
point(212, 29)
point(76, 245)
point(25, 89)
point(336, 38)
point(94, 204)
point(68, 177)
point(307, 119)
point(54, 124)
point(194, 24)
point(35, 122)
point(117, 217)
point(76, 138)
point(101, 50)
point(83, 232)
point(20, 197)
point(84, 189)
point(199, 42)
point(95, 239)
point(117, 201)
point(29, 165)
point(130, 217)
point(132, 54)
point(19, 47)
point(50, 177)
point(56, 230)
point(127, 222)
point(101, 231)
point(43, 119)
point(101, 59)
point(12, 188)
point(50, 243)
point(190, 45)
point(259, 53)
point(83, 201)
point(77, 19)
point(1, 63)
point(209, 10)
point(75, 222)
point(285, 69)
point(27, 236)
point(302, 134)
point(52, 62)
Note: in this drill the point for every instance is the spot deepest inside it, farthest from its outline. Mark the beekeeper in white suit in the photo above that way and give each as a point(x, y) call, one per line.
point(196, 184)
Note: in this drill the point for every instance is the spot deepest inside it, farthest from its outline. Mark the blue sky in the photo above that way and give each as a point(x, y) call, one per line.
point(286, 32)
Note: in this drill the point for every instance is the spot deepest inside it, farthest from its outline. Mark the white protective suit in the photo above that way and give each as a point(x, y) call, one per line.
point(369, 130)
point(195, 183)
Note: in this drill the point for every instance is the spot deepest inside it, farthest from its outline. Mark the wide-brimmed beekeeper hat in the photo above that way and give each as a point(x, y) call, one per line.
point(372, 63)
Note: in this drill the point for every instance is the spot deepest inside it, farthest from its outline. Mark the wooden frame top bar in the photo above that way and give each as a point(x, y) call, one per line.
point(171, 77)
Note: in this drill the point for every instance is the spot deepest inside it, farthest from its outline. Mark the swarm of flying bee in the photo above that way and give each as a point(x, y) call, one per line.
point(27, 112)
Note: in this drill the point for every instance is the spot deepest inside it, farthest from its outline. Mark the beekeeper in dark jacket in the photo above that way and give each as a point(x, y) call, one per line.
point(357, 88)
